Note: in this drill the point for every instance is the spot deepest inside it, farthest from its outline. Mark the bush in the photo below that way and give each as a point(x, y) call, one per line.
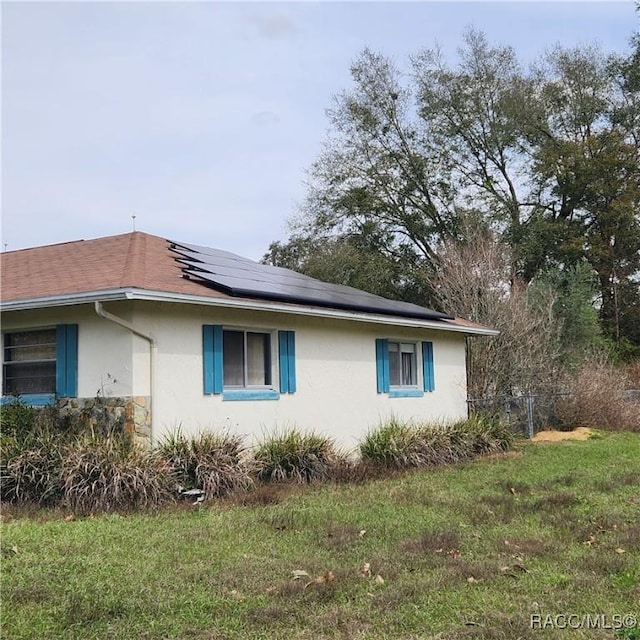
point(30, 469)
point(17, 419)
point(214, 463)
point(597, 399)
point(489, 434)
point(300, 457)
point(401, 445)
point(394, 444)
point(110, 474)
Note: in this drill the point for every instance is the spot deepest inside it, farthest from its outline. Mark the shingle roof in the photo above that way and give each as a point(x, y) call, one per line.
point(134, 260)
point(137, 260)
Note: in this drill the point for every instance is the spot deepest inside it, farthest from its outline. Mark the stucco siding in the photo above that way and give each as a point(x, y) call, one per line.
point(104, 350)
point(335, 369)
point(335, 374)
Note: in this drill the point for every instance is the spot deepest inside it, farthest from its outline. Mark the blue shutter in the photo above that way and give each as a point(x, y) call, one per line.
point(287, 361)
point(67, 360)
point(427, 366)
point(212, 358)
point(382, 365)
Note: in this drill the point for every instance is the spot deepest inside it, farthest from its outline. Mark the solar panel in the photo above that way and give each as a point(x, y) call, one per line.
point(238, 276)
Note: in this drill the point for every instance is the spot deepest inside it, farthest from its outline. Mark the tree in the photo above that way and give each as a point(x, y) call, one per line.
point(473, 282)
point(546, 159)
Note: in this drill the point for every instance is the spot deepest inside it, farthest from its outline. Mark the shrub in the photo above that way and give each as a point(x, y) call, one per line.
point(30, 469)
point(293, 455)
point(212, 462)
point(394, 444)
point(110, 474)
point(597, 399)
point(632, 374)
point(400, 445)
point(17, 419)
point(489, 434)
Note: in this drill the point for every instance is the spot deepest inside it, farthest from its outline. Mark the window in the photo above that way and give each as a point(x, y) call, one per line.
point(398, 370)
point(402, 364)
point(238, 363)
point(29, 362)
point(246, 358)
point(40, 364)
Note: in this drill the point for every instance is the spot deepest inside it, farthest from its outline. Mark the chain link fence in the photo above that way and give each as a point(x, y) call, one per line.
point(526, 414)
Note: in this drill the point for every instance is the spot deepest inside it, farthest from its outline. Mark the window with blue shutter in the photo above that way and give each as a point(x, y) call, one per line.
point(237, 363)
point(40, 364)
point(397, 371)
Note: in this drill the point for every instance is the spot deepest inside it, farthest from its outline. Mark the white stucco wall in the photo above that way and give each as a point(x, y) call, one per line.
point(335, 369)
point(104, 350)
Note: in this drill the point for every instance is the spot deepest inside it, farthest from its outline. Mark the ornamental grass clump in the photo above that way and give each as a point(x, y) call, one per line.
point(110, 473)
point(403, 445)
point(489, 434)
point(296, 456)
point(30, 469)
point(395, 445)
point(215, 463)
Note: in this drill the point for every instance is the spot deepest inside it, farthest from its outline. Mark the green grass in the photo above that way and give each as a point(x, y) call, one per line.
point(466, 551)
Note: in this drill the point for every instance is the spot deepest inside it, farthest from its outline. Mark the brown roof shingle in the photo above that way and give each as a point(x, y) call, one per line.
point(132, 260)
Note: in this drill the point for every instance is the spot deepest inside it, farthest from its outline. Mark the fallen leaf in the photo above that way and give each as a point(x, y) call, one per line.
point(454, 553)
point(271, 589)
point(439, 550)
point(365, 570)
point(472, 580)
point(15, 549)
point(321, 579)
point(69, 518)
point(620, 550)
point(362, 532)
point(379, 579)
point(521, 568)
point(513, 491)
point(590, 541)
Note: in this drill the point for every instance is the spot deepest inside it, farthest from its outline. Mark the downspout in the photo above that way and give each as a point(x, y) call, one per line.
point(153, 350)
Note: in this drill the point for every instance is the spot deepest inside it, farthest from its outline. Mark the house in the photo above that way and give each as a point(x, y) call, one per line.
point(174, 335)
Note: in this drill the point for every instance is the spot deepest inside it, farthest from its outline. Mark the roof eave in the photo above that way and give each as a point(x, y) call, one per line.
point(239, 303)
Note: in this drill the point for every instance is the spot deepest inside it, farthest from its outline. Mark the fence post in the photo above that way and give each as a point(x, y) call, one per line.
point(529, 398)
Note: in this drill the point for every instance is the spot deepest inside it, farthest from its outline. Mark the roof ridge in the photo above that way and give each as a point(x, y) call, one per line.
point(134, 266)
point(83, 241)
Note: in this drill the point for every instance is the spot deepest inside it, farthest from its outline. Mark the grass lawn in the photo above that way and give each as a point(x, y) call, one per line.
point(469, 551)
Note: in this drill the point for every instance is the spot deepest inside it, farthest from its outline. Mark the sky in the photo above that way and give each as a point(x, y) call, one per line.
point(202, 118)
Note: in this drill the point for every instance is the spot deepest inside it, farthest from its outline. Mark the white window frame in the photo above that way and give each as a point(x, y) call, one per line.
point(415, 361)
point(269, 368)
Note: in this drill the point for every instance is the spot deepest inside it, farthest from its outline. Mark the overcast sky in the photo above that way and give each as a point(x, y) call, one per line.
point(202, 118)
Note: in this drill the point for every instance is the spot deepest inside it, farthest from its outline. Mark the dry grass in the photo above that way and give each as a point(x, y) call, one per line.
point(597, 399)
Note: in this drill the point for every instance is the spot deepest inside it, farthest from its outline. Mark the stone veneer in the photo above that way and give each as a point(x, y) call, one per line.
point(131, 413)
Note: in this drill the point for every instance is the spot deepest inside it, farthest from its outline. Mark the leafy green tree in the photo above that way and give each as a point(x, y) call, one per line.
point(547, 159)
